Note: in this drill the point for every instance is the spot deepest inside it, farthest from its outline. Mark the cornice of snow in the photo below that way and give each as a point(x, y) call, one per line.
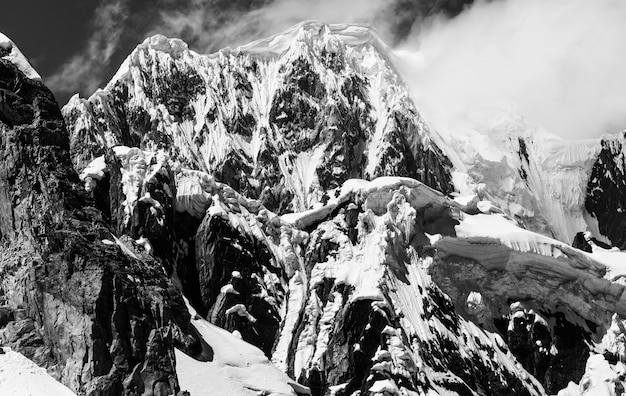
point(10, 52)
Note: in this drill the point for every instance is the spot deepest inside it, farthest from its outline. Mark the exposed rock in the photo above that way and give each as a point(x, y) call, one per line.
point(89, 312)
point(606, 190)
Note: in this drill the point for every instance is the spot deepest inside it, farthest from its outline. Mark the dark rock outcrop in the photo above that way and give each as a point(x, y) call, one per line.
point(583, 242)
point(606, 190)
point(103, 319)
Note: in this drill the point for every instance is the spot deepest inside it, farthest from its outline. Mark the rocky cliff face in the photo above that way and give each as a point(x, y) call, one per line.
point(292, 192)
point(607, 188)
point(100, 314)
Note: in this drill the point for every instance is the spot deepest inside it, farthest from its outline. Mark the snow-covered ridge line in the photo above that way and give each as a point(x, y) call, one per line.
point(10, 52)
point(374, 194)
point(351, 35)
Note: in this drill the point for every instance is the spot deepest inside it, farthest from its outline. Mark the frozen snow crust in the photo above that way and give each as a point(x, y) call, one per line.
point(313, 213)
point(19, 376)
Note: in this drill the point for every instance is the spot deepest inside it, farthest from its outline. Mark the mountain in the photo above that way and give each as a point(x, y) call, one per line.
point(100, 315)
point(290, 193)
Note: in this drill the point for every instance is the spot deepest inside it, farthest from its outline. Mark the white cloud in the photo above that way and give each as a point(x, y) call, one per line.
point(559, 62)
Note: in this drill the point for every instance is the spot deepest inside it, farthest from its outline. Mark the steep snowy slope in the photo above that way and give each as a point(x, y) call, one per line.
point(235, 368)
point(550, 185)
point(283, 119)
point(21, 377)
point(535, 177)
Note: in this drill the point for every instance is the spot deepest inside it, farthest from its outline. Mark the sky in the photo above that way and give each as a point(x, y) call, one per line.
point(557, 63)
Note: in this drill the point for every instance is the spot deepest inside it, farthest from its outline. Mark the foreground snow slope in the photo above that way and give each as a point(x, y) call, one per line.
point(235, 367)
point(19, 376)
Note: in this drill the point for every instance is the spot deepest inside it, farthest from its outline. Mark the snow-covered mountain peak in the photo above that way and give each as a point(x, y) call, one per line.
point(10, 52)
point(349, 34)
point(306, 109)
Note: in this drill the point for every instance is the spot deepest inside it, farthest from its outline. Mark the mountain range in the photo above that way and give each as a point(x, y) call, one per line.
point(280, 218)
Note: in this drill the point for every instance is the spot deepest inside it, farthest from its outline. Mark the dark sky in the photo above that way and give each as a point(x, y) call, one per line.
point(77, 45)
point(48, 32)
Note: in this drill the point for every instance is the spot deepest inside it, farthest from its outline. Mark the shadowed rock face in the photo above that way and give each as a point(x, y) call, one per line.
point(606, 190)
point(584, 242)
point(104, 322)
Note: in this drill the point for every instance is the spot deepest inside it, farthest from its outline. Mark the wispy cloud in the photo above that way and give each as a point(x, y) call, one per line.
point(558, 62)
point(84, 71)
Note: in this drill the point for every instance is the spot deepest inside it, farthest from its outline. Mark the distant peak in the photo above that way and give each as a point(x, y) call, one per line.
point(159, 42)
point(10, 52)
point(351, 34)
point(329, 36)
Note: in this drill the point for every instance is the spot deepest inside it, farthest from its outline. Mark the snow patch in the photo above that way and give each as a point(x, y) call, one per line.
point(10, 52)
point(20, 376)
point(237, 368)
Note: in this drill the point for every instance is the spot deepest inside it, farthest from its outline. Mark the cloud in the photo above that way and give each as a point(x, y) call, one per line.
point(84, 71)
point(559, 63)
point(208, 25)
